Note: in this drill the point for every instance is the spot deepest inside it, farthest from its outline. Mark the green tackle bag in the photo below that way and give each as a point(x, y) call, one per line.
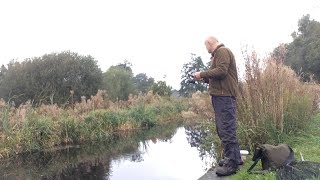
point(272, 157)
point(281, 159)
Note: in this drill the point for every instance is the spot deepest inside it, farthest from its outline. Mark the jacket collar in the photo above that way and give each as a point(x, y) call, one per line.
point(219, 46)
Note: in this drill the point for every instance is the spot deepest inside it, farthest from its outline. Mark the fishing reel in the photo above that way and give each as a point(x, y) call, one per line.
point(191, 81)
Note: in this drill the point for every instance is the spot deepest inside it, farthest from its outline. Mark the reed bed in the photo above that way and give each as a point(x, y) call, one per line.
point(28, 128)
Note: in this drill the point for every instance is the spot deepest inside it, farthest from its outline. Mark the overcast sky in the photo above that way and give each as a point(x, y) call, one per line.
point(157, 37)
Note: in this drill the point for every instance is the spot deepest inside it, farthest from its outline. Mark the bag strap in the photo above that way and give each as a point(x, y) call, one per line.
point(253, 165)
point(290, 158)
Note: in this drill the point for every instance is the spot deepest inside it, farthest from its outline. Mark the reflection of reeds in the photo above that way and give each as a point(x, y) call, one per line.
point(202, 137)
point(69, 162)
point(28, 128)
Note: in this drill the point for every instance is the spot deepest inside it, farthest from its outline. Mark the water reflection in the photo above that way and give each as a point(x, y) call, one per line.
point(169, 152)
point(201, 137)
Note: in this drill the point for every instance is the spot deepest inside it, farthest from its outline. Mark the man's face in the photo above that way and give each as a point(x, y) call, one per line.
point(209, 47)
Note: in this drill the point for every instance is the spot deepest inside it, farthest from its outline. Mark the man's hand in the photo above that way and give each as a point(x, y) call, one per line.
point(197, 76)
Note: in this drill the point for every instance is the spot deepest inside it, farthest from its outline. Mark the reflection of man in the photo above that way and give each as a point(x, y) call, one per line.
point(223, 80)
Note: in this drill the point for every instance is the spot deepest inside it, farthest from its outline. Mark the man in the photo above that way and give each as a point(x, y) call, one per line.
point(223, 83)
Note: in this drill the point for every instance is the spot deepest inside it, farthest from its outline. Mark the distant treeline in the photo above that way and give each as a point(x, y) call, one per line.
point(65, 77)
point(303, 53)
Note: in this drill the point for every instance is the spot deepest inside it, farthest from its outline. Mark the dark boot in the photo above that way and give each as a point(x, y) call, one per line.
point(228, 168)
point(221, 162)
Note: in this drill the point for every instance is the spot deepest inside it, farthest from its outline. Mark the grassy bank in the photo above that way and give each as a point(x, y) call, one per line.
point(27, 129)
point(307, 142)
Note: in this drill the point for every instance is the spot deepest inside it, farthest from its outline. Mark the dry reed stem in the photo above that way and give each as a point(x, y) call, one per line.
point(200, 104)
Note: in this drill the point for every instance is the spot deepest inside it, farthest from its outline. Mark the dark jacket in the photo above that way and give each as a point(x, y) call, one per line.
point(222, 75)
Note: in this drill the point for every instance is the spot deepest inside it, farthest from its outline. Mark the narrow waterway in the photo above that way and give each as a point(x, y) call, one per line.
point(165, 153)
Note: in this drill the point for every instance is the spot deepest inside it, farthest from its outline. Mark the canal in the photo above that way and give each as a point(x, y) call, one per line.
point(171, 152)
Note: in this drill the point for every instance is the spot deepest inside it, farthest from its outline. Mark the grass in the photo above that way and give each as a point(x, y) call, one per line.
point(307, 142)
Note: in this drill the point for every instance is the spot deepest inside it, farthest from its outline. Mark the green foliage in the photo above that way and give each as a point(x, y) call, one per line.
point(95, 128)
point(70, 130)
point(139, 116)
point(108, 120)
point(188, 69)
point(307, 142)
point(39, 133)
point(242, 175)
point(298, 113)
point(161, 88)
point(3, 71)
point(146, 117)
point(4, 119)
point(118, 81)
point(142, 83)
point(303, 54)
point(50, 78)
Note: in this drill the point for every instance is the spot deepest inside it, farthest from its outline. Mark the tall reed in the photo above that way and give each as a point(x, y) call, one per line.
point(272, 101)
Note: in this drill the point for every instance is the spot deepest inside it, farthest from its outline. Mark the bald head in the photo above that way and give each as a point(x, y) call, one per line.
point(212, 39)
point(211, 44)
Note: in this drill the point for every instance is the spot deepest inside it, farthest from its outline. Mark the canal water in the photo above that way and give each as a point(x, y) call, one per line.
point(172, 152)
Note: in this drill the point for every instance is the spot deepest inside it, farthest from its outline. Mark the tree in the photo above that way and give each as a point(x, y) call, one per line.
point(303, 54)
point(3, 71)
point(13, 83)
point(195, 64)
point(143, 83)
point(118, 81)
point(50, 78)
point(279, 53)
point(161, 88)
